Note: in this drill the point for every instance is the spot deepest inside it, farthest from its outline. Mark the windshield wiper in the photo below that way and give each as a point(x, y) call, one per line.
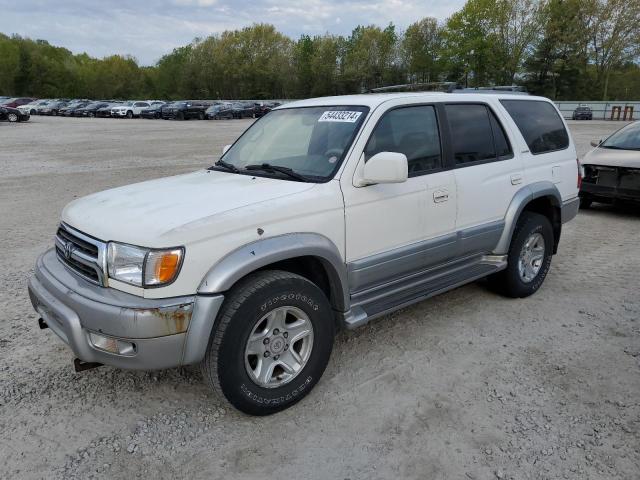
point(267, 167)
point(227, 165)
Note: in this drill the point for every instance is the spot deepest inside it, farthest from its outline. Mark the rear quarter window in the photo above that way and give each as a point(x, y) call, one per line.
point(539, 123)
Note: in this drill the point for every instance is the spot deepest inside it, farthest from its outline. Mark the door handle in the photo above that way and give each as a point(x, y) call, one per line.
point(440, 196)
point(516, 179)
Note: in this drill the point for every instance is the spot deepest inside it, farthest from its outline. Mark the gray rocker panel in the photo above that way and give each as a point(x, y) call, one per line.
point(248, 258)
point(395, 264)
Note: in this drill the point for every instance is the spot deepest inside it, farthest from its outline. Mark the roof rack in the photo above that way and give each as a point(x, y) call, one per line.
point(449, 87)
point(417, 87)
point(512, 89)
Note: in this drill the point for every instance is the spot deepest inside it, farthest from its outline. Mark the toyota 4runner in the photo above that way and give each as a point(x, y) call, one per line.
point(324, 214)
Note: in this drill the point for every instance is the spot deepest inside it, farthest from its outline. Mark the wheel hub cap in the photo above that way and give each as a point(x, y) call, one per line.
point(531, 257)
point(278, 347)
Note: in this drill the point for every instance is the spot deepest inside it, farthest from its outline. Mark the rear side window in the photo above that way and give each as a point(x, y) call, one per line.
point(539, 124)
point(476, 134)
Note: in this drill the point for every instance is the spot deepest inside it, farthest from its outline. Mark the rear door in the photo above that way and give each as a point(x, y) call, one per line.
point(549, 154)
point(487, 173)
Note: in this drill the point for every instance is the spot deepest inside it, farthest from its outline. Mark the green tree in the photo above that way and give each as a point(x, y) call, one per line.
point(422, 50)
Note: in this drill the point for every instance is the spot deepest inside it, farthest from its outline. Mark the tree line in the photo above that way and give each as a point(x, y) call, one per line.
point(562, 49)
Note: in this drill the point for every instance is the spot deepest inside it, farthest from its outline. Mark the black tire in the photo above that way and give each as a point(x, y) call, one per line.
point(12, 117)
point(585, 203)
point(508, 281)
point(201, 116)
point(224, 364)
point(180, 116)
point(129, 114)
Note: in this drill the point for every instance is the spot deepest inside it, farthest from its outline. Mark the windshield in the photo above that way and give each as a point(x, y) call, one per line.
point(311, 141)
point(627, 138)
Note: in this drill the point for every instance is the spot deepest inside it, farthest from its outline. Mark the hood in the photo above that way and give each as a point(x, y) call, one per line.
point(153, 213)
point(612, 158)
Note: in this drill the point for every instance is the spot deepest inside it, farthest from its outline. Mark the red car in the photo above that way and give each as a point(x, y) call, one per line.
point(16, 102)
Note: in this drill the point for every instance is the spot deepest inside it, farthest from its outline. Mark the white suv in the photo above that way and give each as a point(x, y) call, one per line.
point(129, 109)
point(324, 214)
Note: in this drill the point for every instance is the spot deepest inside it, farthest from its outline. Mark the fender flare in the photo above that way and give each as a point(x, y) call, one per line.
point(522, 197)
point(248, 258)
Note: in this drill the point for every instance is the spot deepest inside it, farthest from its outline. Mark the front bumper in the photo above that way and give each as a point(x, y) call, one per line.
point(165, 333)
point(602, 182)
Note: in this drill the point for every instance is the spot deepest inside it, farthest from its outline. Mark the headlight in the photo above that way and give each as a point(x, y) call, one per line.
point(143, 267)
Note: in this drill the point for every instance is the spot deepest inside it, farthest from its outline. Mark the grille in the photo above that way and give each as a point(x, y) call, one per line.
point(614, 177)
point(81, 254)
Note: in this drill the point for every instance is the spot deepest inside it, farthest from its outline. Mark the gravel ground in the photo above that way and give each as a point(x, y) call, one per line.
point(468, 385)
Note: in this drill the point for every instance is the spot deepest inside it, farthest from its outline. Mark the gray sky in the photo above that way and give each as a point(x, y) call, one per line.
point(149, 29)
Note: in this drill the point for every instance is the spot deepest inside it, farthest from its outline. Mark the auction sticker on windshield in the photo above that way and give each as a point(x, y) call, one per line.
point(340, 116)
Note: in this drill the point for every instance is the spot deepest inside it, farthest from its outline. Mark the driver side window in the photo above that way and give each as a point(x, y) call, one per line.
point(412, 131)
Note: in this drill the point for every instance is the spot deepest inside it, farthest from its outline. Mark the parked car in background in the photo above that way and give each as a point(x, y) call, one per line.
point(105, 111)
point(51, 108)
point(582, 113)
point(611, 171)
point(262, 109)
point(243, 110)
point(154, 110)
point(32, 107)
point(15, 102)
point(185, 110)
point(129, 109)
point(89, 110)
point(13, 115)
point(71, 107)
point(219, 111)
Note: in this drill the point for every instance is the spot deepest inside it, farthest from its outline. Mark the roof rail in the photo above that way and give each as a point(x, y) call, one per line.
point(512, 89)
point(417, 87)
point(449, 87)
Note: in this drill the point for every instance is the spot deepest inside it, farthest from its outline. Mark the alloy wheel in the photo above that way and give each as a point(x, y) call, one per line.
point(278, 347)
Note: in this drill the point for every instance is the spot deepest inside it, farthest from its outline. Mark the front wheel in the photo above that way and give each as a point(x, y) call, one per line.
point(12, 117)
point(529, 257)
point(271, 342)
point(129, 114)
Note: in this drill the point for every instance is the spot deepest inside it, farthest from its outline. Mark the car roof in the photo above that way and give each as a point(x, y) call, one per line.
point(373, 100)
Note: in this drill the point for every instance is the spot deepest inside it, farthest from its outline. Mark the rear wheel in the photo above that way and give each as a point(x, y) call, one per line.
point(529, 257)
point(271, 342)
point(201, 116)
point(180, 116)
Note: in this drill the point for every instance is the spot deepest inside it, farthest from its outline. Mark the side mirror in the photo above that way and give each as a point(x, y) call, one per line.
point(595, 144)
point(225, 149)
point(386, 167)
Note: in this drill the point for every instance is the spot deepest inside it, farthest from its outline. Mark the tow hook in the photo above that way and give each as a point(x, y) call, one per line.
point(42, 324)
point(81, 365)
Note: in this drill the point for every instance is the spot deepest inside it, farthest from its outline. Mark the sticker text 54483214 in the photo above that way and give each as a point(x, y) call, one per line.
point(340, 116)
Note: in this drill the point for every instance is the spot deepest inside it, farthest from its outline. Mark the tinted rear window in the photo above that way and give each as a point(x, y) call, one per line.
point(539, 124)
point(471, 133)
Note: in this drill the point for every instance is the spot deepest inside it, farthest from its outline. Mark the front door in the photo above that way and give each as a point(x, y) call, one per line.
point(390, 228)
